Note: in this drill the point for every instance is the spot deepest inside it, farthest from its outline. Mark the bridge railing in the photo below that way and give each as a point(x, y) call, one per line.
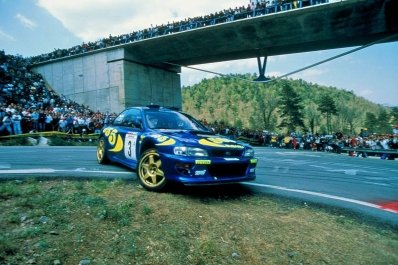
point(190, 24)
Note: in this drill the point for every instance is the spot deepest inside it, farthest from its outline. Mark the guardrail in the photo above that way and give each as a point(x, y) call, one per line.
point(92, 136)
point(389, 154)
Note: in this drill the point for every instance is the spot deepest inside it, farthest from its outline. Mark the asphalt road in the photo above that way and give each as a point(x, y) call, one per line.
point(368, 186)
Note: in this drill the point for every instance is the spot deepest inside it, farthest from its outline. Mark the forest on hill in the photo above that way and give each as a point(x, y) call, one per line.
point(285, 105)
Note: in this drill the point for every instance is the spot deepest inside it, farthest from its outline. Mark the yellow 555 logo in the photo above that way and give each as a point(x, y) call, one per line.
point(164, 140)
point(220, 142)
point(114, 139)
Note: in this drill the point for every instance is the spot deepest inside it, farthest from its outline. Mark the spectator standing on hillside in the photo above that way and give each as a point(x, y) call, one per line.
point(42, 121)
point(2, 114)
point(35, 120)
point(69, 124)
point(6, 123)
point(384, 145)
point(353, 144)
point(16, 122)
point(48, 122)
point(294, 143)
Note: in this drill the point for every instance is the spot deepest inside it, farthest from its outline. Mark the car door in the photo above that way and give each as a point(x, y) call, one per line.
point(129, 127)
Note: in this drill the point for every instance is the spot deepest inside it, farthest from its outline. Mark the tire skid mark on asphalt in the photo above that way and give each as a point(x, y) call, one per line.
point(385, 206)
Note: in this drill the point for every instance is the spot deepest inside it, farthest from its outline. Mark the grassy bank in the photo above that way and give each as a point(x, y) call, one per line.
point(100, 222)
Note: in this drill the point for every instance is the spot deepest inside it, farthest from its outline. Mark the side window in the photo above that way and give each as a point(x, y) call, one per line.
point(118, 121)
point(131, 118)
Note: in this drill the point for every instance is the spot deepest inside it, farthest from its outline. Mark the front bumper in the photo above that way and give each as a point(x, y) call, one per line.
point(202, 171)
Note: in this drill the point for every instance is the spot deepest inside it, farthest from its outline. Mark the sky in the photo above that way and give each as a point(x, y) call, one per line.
point(34, 27)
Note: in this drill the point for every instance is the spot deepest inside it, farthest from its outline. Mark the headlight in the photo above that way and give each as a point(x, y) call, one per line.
point(189, 151)
point(249, 153)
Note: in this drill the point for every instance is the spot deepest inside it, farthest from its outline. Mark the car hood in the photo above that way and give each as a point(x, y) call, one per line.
point(203, 139)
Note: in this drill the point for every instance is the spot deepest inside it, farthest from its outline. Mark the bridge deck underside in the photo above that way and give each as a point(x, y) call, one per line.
point(329, 26)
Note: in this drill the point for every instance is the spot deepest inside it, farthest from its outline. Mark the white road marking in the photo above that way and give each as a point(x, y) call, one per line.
point(28, 171)
point(98, 171)
point(50, 170)
point(372, 205)
point(297, 153)
point(351, 172)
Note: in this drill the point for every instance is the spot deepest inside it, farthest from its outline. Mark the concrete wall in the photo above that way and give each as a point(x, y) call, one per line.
point(108, 81)
point(146, 85)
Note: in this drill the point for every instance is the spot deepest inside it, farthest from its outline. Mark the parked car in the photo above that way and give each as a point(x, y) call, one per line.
point(166, 146)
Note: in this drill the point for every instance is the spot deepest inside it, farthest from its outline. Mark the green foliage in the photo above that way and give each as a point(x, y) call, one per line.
point(262, 106)
point(383, 124)
point(23, 141)
point(291, 109)
point(327, 107)
point(394, 115)
point(370, 122)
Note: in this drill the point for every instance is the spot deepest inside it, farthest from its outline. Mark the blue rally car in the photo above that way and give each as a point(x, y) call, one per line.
point(165, 146)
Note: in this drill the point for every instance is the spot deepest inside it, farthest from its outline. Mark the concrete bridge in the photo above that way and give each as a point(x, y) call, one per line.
point(148, 71)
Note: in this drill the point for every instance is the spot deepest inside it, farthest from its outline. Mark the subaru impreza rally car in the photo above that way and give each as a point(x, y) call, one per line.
point(164, 146)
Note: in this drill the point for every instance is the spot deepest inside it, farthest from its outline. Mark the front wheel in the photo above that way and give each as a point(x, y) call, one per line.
point(150, 173)
point(101, 152)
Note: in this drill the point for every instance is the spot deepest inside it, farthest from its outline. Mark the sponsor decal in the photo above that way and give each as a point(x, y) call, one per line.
point(114, 139)
point(219, 142)
point(231, 159)
point(163, 140)
point(167, 142)
point(130, 144)
point(200, 172)
point(202, 162)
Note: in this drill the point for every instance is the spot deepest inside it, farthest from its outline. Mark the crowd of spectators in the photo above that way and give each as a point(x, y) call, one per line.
point(28, 105)
point(315, 142)
point(257, 8)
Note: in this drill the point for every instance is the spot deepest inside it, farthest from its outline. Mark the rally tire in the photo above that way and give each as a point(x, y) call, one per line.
point(149, 170)
point(102, 157)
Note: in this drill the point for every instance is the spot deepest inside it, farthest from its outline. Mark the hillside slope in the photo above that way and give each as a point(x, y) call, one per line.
point(239, 103)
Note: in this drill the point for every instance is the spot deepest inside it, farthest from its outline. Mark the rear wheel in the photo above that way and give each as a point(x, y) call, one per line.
point(150, 173)
point(101, 152)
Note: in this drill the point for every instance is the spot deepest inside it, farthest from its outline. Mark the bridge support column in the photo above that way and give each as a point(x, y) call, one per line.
point(261, 69)
point(111, 81)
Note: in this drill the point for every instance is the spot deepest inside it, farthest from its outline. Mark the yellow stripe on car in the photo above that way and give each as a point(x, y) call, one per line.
point(118, 146)
point(218, 144)
point(167, 142)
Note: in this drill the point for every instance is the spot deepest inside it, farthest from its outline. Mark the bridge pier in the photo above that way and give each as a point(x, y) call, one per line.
point(111, 81)
point(261, 70)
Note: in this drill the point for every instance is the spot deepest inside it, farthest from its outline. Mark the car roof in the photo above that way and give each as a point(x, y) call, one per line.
point(154, 107)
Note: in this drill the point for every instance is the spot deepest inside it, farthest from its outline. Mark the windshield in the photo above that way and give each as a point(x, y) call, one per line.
point(172, 121)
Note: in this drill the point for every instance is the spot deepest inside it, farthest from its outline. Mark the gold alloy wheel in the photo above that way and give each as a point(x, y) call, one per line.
point(101, 154)
point(150, 171)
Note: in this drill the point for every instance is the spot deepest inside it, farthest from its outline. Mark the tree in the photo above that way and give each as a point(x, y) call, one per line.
point(383, 122)
point(327, 106)
point(291, 109)
point(394, 115)
point(350, 114)
point(312, 115)
point(268, 102)
point(370, 122)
